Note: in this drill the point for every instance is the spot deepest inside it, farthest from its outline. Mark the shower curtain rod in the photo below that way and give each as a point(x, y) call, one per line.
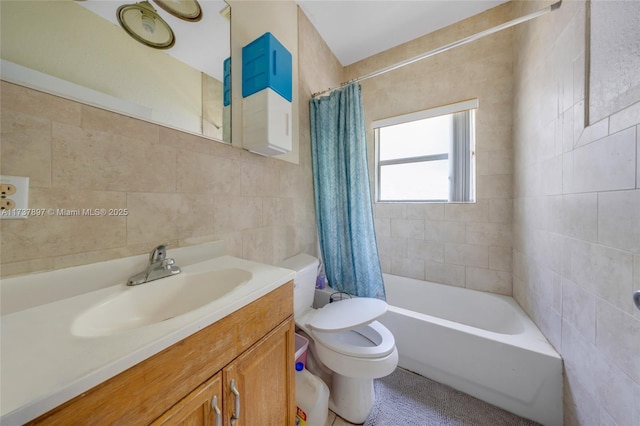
point(449, 46)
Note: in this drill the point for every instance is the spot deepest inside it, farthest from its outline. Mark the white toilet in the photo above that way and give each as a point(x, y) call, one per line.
point(348, 347)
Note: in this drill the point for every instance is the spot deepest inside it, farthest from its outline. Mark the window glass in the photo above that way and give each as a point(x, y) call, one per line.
point(416, 138)
point(406, 182)
point(427, 156)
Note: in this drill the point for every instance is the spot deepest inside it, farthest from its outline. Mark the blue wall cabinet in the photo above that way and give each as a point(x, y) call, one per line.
point(266, 63)
point(267, 93)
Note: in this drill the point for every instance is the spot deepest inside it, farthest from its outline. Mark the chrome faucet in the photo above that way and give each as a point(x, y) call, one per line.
point(158, 267)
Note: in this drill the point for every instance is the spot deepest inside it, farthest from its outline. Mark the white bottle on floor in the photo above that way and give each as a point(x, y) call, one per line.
point(312, 398)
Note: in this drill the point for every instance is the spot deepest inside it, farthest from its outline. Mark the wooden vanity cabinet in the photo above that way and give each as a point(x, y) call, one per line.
point(200, 407)
point(253, 347)
point(260, 376)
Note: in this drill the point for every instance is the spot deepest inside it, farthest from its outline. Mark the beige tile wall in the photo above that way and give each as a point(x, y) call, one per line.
point(577, 215)
point(576, 193)
point(176, 186)
point(467, 245)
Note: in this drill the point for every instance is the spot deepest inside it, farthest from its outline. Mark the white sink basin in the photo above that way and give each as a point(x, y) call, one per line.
point(157, 301)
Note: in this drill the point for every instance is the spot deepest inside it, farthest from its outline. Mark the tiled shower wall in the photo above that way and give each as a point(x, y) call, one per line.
point(577, 204)
point(176, 187)
point(467, 245)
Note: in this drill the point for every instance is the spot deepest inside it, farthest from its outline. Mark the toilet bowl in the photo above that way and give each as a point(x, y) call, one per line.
point(348, 348)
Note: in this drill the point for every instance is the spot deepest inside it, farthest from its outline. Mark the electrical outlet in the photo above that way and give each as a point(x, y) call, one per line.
point(7, 189)
point(14, 197)
point(7, 204)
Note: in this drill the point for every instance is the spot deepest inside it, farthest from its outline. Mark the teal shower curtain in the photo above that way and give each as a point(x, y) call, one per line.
point(343, 199)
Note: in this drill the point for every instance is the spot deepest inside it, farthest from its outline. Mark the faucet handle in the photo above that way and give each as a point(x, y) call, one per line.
point(159, 253)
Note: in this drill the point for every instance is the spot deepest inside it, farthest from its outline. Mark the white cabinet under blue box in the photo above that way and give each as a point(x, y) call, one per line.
point(266, 63)
point(266, 123)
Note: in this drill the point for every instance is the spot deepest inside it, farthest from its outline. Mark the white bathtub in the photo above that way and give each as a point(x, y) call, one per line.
point(479, 343)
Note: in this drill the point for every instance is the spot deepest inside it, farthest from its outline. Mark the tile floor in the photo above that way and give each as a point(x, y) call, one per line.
point(430, 402)
point(335, 420)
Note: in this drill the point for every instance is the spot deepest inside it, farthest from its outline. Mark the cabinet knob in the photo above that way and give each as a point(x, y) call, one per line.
point(216, 409)
point(236, 404)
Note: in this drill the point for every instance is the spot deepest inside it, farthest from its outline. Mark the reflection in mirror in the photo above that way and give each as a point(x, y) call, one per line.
point(79, 51)
point(142, 22)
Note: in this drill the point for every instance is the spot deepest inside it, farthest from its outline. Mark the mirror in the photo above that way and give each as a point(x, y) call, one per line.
point(77, 49)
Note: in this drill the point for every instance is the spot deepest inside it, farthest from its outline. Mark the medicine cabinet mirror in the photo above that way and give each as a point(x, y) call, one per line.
point(77, 50)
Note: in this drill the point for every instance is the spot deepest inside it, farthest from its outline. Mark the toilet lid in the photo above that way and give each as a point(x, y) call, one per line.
point(347, 314)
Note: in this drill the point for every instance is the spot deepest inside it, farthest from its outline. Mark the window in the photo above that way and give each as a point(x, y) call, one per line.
point(427, 156)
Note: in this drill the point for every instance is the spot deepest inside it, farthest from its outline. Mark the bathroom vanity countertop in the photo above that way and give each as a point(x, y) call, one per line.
point(43, 364)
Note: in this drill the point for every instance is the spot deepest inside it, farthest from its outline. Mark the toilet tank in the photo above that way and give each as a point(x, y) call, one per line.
point(304, 284)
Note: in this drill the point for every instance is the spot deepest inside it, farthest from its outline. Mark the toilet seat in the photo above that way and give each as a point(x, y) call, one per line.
point(349, 327)
point(381, 339)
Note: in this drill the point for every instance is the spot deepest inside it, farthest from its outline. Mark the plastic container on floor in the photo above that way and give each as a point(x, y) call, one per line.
point(301, 349)
point(312, 398)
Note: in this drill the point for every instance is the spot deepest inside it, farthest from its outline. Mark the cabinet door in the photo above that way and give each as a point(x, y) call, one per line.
point(261, 382)
point(202, 407)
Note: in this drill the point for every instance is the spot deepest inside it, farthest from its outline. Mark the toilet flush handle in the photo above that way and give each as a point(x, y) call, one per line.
point(636, 298)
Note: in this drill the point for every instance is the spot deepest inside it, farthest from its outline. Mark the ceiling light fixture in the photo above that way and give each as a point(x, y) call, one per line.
point(189, 10)
point(142, 22)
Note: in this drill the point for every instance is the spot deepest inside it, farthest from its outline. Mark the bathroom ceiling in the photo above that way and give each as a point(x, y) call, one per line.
point(353, 29)
point(357, 29)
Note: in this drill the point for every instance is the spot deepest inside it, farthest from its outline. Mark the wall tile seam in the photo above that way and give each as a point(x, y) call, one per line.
point(598, 236)
point(55, 258)
point(505, 173)
point(447, 220)
point(622, 251)
point(600, 139)
point(573, 192)
point(175, 168)
point(573, 406)
point(86, 127)
point(638, 156)
point(588, 129)
point(591, 291)
point(626, 315)
point(612, 363)
point(50, 157)
point(563, 350)
point(51, 119)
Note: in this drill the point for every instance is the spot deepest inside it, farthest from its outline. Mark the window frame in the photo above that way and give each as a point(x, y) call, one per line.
point(464, 106)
